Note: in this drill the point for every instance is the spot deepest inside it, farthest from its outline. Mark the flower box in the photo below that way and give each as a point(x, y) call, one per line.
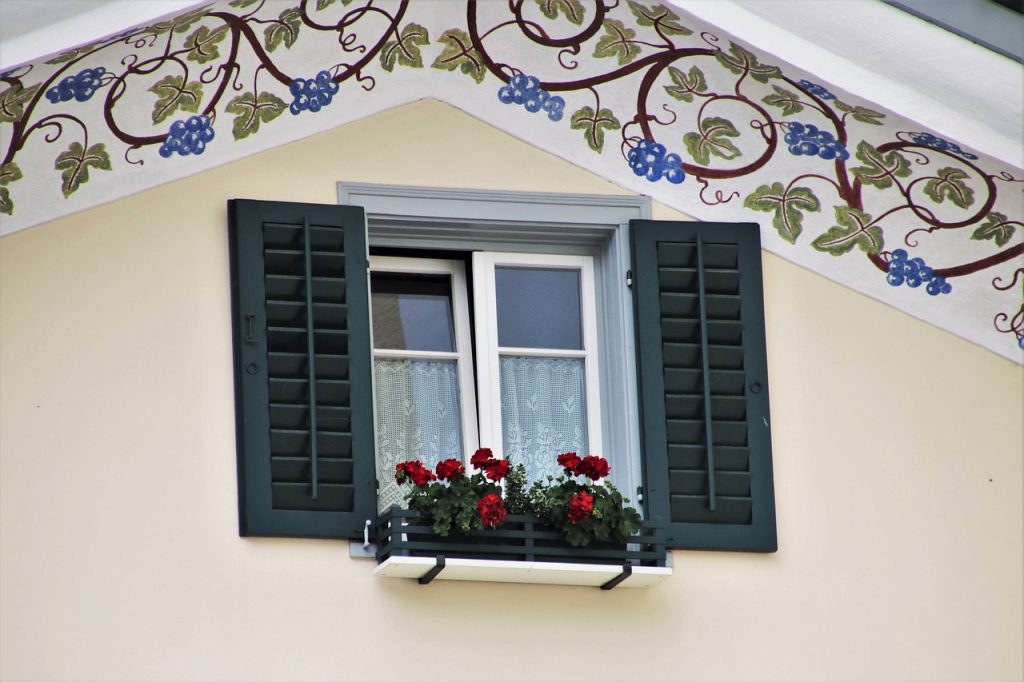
point(521, 550)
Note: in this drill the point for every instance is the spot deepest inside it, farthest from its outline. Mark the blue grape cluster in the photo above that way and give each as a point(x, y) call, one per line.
point(913, 272)
point(526, 90)
point(806, 140)
point(816, 90)
point(648, 159)
point(188, 136)
point(312, 94)
point(929, 140)
point(79, 87)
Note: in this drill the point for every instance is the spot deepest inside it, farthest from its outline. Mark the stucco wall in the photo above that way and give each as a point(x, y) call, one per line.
point(898, 476)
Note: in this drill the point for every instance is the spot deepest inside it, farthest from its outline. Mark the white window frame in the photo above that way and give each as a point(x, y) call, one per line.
point(463, 353)
point(489, 350)
point(540, 222)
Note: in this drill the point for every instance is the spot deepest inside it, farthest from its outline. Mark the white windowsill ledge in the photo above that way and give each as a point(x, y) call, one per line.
point(533, 572)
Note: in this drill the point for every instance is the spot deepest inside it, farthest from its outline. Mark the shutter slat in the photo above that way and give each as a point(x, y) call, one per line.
point(703, 377)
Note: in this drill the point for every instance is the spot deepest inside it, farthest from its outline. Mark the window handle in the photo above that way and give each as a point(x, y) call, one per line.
point(250, 328)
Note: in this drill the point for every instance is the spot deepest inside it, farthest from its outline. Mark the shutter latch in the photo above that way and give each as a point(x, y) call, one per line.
point(629, 278)
point(366, 535)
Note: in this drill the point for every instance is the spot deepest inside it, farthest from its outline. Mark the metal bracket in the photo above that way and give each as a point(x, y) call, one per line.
point(427, 577)
point(627, 570)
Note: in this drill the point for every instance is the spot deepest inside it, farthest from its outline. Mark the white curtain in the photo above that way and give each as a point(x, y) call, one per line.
point(417, 418)
point(543, 411)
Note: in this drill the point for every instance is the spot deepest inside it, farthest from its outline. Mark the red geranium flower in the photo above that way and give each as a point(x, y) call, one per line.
point(415, 471)
point(492, 510)
point(570, 461)
point(450, 469)
point(580, 505)
point(496, 469)
point(481, 457)
point(595, 468)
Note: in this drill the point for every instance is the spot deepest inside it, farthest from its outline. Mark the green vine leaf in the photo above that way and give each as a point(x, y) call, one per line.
point(854, 229)
point(788, 206)
point(997, 227)
point(659, 17)
point(572, 9)
point(75, 164)
point(881, 168)
point(202, 44)
point(181, 23)
point(712, 140)
point(593, 125)
point(459, 53)
point(9, 172)
point(617, 42)
point(405, 49)
point(741, 61)
point(70, 54)
point(284, 30)
point(686, 84)
point(324, 4)
point(785, 99)
point(12, 101)
point(174, 93)
point(950, 184)
point(862, 114)
point(243, 3)
point(252, 110)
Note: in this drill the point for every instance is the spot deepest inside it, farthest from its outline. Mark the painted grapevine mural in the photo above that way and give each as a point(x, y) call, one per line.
point(635, 91)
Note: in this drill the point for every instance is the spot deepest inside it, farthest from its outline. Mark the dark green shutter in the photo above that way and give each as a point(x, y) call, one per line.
point(704, 381)
point(302, 369)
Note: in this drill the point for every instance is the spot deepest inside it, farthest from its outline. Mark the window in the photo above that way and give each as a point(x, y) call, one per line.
point(653, 330)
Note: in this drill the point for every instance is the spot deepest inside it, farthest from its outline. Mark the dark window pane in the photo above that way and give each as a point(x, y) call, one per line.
point(538, 308)
point(412, 312)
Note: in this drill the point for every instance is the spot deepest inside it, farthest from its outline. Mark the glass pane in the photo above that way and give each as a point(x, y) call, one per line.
point(412, 312)
point(538, 308)
point(543, 411)
point(417, 411)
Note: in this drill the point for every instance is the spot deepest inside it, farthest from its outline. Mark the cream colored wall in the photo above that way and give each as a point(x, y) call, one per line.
point(898, 476)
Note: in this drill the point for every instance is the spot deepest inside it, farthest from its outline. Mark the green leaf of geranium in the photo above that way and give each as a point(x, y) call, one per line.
point(617, 42)
point(252, 110)
point(593, 125)
point(174, 93)
point(854, 229)
point(459, 54)
point(12, 101)
point(881, 168)
point(950, 184)
point(75, 164)
point(713, 139)
point(741, 61)
point(787, 100)
point(284, 30)
point(572, 9)
point(862, 114)
point(686, 84)
point(202, 44)
point(787, 205)
point(405, 49)
point(998, 228)
point(659, 17)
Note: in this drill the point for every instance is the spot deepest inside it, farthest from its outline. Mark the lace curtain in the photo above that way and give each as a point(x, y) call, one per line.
point(543, 411)
point(417, 418)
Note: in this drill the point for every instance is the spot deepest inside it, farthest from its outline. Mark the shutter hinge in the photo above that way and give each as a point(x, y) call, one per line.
point(640, 494)
point(629, 278)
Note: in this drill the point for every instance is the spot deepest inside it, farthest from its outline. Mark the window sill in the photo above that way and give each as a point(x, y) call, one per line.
point(522, 550)
point(530, 572)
